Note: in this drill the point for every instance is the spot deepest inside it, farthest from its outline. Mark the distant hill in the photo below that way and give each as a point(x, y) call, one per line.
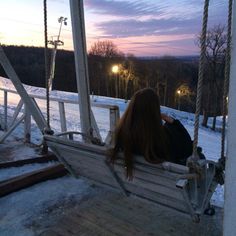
point(29, 65)
point(190, 58)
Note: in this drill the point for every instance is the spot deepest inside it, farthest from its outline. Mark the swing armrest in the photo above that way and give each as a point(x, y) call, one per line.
point(181, 183)
point(169, 166)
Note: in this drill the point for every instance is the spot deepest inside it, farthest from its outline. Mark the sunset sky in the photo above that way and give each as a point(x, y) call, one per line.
point(140, 27)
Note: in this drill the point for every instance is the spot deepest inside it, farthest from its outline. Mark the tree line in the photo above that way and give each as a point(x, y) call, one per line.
point(174, 79)
point(164, 74)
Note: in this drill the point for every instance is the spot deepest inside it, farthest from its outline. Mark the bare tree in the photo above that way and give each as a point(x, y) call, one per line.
point(127, 76)
point(215, 52)
point(102, 55)
point(105, 49)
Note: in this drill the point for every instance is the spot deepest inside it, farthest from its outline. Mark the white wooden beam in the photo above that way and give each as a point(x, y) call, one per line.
point(96, 132)
point(229, 227)
point(81, 65)
point(17, 111)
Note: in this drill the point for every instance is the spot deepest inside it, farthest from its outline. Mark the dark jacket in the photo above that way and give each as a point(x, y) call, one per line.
point(181, 145)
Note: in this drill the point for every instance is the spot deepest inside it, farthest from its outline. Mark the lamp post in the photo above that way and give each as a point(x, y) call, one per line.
point(115, 70)
point(178, 97)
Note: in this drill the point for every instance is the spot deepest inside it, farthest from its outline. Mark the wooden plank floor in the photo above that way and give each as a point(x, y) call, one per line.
point(108, 213)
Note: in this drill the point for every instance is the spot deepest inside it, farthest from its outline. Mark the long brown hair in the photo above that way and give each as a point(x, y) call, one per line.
point(140, 131)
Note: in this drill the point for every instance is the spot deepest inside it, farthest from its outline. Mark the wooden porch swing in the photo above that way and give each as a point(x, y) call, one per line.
point(185, 188)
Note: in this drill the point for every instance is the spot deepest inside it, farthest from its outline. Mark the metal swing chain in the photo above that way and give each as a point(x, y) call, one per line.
point(46, 63)
point(200, 78)
point(226, 79)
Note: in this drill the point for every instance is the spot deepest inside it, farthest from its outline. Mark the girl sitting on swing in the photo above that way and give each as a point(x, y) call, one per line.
point(141, 131)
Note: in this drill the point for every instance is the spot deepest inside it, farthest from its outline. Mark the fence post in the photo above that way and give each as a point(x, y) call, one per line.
point(62, 116)
point(27, 125)
point(114, 118)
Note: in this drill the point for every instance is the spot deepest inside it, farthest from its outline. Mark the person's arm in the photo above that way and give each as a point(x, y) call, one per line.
point(180, 128)
point(180, 139)
point(175, 124)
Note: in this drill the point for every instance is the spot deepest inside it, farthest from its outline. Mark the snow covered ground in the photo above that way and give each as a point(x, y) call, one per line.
point(19, 208)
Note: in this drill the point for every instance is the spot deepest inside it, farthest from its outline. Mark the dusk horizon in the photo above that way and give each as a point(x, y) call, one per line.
point(142, 28)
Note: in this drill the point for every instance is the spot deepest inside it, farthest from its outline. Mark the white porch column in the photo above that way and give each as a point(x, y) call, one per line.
point(81, 65)
point(230, 180)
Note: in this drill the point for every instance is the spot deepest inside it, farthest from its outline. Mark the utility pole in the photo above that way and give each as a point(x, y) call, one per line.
point(55, 43)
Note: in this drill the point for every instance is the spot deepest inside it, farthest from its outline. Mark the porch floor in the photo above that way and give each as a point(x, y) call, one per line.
point(104, 211)
point(109, 213)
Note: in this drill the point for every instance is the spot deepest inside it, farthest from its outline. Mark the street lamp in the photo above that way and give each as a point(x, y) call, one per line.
point(115, 70)
point(178, 94)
